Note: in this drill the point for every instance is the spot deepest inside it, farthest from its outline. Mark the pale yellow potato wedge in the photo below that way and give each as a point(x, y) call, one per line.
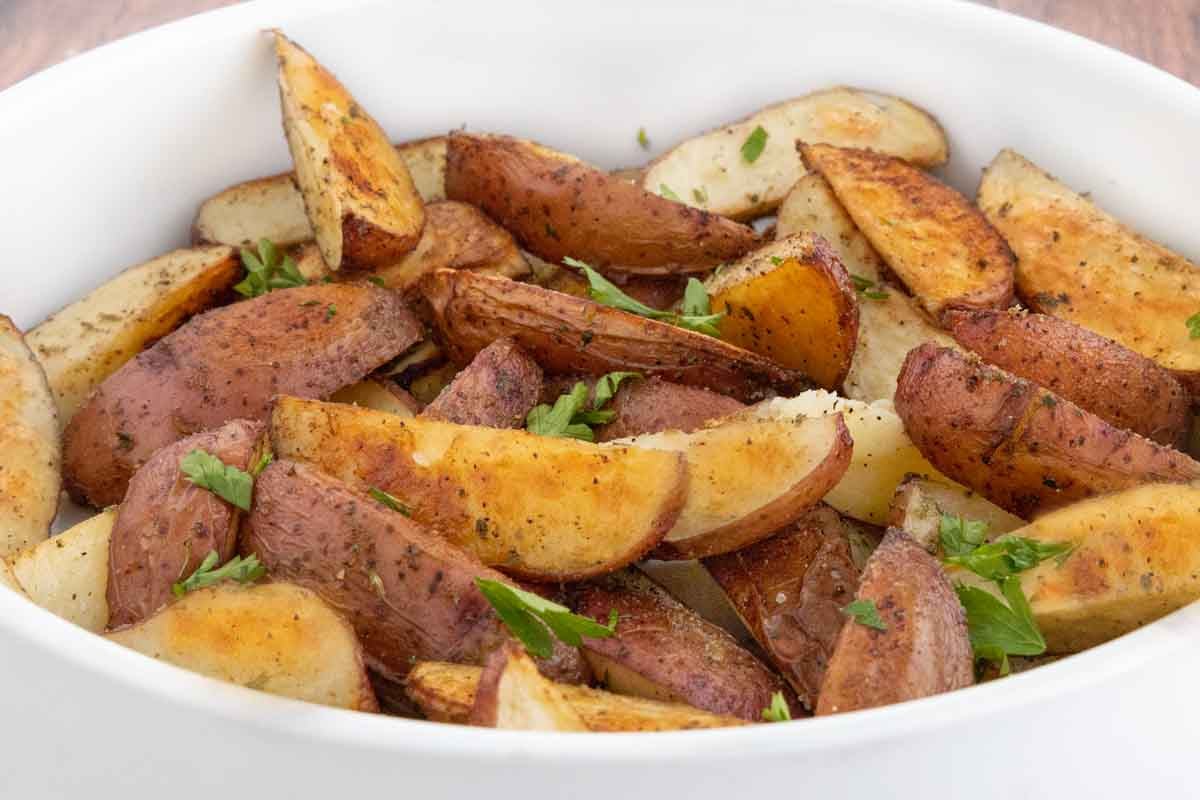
point(710, 171)
point(919, 504)
point(932, 237)
point(9, 580)
point(582, 509)
point(812, 207)
point(377, 394)
point(358, 195)
point(275, 637)
point(30, 446)
point(512, 695)
point(90, 339)
point(446, 693)
point(1080, 263)
point(748, 478)
point(68, 573)
point(883, 454)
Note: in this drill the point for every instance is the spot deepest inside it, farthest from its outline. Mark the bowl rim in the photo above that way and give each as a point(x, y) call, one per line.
point(165, 683)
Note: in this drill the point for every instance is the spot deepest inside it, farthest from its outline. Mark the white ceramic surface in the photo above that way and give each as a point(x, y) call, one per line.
point(104, 159)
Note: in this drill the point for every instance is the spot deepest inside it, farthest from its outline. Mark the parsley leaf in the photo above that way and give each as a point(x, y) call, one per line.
point(642, 139)
point(755, 143)
point(385, 499)
point(867, 287)
point(778, 710)
point(700, 195)
point(558, 420)
point(607, 386)
point(209, 472)
point(263, 462)
point(865, 613)
point(1193, 324)
point(606, 292)
point(529, 616)
point(960, 536)
point(1009, 555)
point(266, 269)
point(665, 191)
point(997, 630)
point(242, 570)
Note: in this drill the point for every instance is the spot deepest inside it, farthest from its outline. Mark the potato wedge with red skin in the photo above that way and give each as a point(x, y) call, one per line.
point(664, 651)
point(1123, 388)
point(228, 364)
point(1024, 448)
point(924, 649)
point(558, 206)
point(513, 695)
point(931, 236)
point(789, 590)
point(652, 405)
point(919, 505)
point(166, 524)
point(568, 334)
point(497, 389)
point(409, 594)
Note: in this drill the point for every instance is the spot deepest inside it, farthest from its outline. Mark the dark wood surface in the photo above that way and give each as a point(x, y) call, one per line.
point(37, 33)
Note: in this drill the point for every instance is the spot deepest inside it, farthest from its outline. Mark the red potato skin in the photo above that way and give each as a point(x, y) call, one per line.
point(227, 364)
point(1024, 448)
point(567, 334)
point(410, 595)
point(167, 525)
point(496, 390)
point(1122, 387)
point(556, 207)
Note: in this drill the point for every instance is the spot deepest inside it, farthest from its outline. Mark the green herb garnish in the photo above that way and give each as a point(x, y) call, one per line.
point(242, 570)
point(378, 281)
point(330, 312)
point(559, 419)
point(865, 613)
point(997, 630)
point(1193, 324)
point(868, 288)
point(267, 270)
point(700, 194)
point(960, 536)
point(642, 139)
point(209, 472)
point(665, 191)
point(778, 710)
point(607, 386)
point(755, 143)
point(604, 291)
point(1009, 555)
point(385, 499)
point(532, 618)
point(263, 462)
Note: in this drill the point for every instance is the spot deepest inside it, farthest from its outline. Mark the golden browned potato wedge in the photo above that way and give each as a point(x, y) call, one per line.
point(379, 394)
point(882, 455)
point(557, 206)
point(922, 649)
point(68, 573)
point(713, 172)
point(1116, 384)
point(512, 695)
point(275, 638)
point(791, 301)
point(570, 334)
point(87, 341)
point(364, 209)
point(9, 580)
point(920, 503)
point(663, 651)
point(30, 443)
point(789, 590)
point(409, 594)
point(812, 207)
point(1080, 263)
point(273, 208)
point(931, 236)
point(622, 499)
point(309, 341)
point(497, 389)
point(748, 478)
point(1024, 448)
point(446, 693)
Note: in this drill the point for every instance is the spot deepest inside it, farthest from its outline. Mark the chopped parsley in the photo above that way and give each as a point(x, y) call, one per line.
point(378, 281)
point(778, 710)
point(700, 194)
point(209, 472)
point(1008, 556)
point(266, 270)
point(242, 570)
point(385, 499)
point(532, 618)
point(960, 536)
point(997, 630)
point(868, 288)
point(665, 191)
point(570, 417)
point(1193, 324)
point(865, 613)
point(754, 145)
point(642, 139)
point(696, 314)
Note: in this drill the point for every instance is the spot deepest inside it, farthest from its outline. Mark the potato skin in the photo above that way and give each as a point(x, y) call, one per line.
point(653, 405)
point(409, 595)
point(1022, 447)
point(1123, 388)
point(558, 206)
point(166, 524)
point(925, 649)
point(497, 389)
point(228, 364)
point(568, 334)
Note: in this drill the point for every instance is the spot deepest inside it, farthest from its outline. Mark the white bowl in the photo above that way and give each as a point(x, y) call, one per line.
point(106, 157)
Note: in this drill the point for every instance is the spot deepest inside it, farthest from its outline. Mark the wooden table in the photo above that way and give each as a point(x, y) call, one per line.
point(37, 33)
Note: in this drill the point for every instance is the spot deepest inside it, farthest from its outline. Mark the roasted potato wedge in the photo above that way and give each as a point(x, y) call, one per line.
point(711, 171)
point(920, 503)
point(309, 341)
point(812, 207)
point(275, 638)
point(1123, 388)
point(29, 439)
point(1080, 263)
point(663, 651)
point(512, 695)
point(68, 573)
point(582, 509)
point(931, 236)
point(378, 394)
point(923, 649)
point(789, 590)
point(748, 478)
point(409, 595)
point(90, 339)
point(690, 584)
point(882, 454)
point(652, 405)
point(557, 206)
point(1024, 448)
point(570, 334)
point(364, 209)
point(9, 580)
point(497, 389)
point(791, 301)
point(446, 693)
